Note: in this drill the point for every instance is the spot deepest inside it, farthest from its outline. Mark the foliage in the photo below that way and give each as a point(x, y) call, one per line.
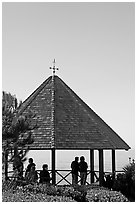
point(9, 107)
point(16, 128)
point(25, 196)
point(32, 193)
point(49, 193)
point(129, 171)
point(104, 195)
point(125, 183)
point(14, 124)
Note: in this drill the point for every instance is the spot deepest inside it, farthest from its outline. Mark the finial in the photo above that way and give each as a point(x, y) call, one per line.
point(54, 68)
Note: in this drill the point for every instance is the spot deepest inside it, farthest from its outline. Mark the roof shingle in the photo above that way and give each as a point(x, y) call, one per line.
point(66, 122)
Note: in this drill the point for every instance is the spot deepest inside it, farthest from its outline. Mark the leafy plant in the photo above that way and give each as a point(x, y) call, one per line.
point(104, 195)
point(16, 130)
point(125, 182)
point(49, 193)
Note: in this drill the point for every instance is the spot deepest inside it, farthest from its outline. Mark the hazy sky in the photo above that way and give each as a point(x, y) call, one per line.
point(93, 44)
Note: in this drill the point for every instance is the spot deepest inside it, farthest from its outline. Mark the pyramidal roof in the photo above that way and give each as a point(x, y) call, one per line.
point(65, 121)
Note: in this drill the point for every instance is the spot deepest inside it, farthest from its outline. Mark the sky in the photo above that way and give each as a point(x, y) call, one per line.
point(94, 48)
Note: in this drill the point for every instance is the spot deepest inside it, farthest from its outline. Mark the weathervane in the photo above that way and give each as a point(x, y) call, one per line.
point(54, 68)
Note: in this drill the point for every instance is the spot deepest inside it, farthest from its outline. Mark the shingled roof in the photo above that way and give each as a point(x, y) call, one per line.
point(65, 121)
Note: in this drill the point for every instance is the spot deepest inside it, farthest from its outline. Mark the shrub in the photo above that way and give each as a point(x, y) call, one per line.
point(104, 195)
point(32, 193)
point(9, 185)
point(78, 193)
point(125, 183)
point(12, 192)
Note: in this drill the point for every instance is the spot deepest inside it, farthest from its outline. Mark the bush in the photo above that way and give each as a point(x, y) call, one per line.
point(9, 185)
point(78, 193)
point(125, 183)
point(104, 195)
point(13, 192)
point(32, 193)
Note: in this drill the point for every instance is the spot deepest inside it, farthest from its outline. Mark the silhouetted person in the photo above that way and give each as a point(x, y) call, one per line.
point(83, 170)
point(109, 181)
point(75, 170)
point(44, 175)
point(29, 166)
point(32, 175)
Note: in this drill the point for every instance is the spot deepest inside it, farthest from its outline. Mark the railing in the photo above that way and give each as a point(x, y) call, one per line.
point(64, 176)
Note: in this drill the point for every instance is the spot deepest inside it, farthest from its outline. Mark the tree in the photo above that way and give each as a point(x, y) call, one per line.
point(16, 130)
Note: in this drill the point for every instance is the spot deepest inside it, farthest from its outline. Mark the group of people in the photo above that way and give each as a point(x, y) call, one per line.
point(79, 167)
point(31, 175)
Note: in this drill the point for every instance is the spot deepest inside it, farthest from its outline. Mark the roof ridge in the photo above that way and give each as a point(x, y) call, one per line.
point(53, 113)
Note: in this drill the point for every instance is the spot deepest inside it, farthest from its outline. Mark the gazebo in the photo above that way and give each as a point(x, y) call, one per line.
point(66, 122)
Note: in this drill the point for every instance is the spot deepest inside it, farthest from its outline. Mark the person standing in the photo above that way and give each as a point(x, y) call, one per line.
point(29, 166)
point(75, 170)
point(83, 170)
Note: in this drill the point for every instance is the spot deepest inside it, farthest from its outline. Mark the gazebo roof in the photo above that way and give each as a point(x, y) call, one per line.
point(65, 121)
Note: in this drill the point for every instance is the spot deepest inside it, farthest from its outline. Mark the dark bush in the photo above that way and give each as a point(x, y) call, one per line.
point(125, 182)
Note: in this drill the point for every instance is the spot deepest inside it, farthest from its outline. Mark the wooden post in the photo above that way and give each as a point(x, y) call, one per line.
point(6, 164)
point(113, 163)
point(53, 167)
point(101, 167)
point(92, 166)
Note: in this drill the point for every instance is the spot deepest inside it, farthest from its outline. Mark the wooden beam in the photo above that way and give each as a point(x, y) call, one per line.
point(53, 167)
point(92, 166)
point(113, 163)
point(6, 164)
point(101, 167)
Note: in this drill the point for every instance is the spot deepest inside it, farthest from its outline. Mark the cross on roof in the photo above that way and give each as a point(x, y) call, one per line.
point(54, 68)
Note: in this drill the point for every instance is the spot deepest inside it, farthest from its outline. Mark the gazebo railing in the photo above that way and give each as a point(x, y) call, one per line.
point(64, 176)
